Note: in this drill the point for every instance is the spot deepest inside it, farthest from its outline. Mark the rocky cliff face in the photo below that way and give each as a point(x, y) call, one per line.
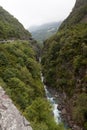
point(10, 117)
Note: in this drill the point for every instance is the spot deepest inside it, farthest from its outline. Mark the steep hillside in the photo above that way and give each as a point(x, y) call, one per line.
point(20, 73)
point(10, 28)
point(43, 32)
point(20, 77)
point(78, 15)
point(65, 65)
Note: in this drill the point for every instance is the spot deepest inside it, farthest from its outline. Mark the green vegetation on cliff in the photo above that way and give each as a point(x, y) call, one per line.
point(20, 77)
point(20, 73)
point(10, 28)
point(65, 61)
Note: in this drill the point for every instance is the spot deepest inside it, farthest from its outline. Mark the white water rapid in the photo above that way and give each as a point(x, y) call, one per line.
point(52, 100)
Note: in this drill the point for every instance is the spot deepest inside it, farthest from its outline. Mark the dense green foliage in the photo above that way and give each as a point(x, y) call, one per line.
point(78, 15)
point(10, 28)
point(20, 77)
point(81, 107)
point(20, 73)
point(65, 60)
point(67, 54)
point(40, 113)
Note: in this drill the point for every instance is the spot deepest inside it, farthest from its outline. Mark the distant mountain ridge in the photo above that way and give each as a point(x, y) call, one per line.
point(10, 27)
point(44, 26)
point(43, 32)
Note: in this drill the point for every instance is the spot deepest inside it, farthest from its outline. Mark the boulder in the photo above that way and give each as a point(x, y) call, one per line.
point(63, 112)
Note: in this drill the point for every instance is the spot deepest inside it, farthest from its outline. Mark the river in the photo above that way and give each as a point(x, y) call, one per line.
point(53, 102)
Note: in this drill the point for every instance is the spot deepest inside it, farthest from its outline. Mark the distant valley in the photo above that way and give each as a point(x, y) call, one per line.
point(43, 32)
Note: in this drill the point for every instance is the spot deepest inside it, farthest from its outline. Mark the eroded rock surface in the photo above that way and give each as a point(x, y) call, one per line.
point(10, 117)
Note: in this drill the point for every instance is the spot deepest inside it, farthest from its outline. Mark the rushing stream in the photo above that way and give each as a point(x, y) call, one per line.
point(52, 100)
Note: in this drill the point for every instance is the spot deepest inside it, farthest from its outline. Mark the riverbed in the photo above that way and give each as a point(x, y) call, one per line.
point(53, 102)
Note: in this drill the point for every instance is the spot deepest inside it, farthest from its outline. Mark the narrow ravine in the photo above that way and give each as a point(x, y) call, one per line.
point(53, 102)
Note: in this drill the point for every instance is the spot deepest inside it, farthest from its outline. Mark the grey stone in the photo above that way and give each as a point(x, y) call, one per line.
point(0, 115)
point(63, 111)
point(10, 117)
point(0, 127)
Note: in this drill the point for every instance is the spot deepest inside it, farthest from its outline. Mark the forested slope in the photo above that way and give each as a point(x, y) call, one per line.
point(20, 78)
point(10, 27)
point(20, 74)
point(65, 63)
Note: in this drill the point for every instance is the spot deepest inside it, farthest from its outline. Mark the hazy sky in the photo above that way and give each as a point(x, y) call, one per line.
point(35, 12)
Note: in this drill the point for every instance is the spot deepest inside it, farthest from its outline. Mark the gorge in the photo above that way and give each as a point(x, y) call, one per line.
point(62, 86)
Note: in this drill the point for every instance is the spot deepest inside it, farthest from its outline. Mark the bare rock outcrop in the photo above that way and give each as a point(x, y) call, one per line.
point(10, 117)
